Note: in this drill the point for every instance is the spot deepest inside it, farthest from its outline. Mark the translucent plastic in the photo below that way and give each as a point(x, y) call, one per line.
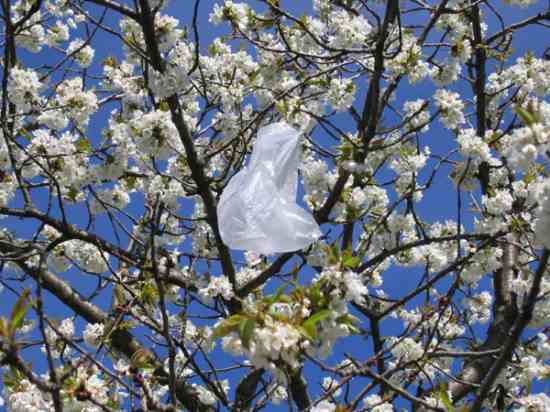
point(258, 210)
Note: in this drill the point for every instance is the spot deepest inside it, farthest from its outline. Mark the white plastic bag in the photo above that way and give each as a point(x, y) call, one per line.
point(257, 210)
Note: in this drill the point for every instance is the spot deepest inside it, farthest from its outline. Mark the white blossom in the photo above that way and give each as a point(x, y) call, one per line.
point(451, 107)
point(375, 404)
point(217, 286)
point(341, 93)
point(24, 88)
point(82, 52)
point(324, 406)
point(93, 333)
point(407, 349)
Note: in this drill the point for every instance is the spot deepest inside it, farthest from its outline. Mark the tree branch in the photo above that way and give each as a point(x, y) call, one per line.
point(512, 340)
point(121, 340)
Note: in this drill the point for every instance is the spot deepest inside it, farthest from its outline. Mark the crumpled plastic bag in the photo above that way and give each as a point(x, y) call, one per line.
point(257, 210)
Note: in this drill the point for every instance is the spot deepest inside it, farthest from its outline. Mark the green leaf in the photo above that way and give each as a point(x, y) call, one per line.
point(227, 326)
point(164, 106)
point(278, 293)
point(525, 115)
point(333, 253)
point(246, 330)
point(72, 194)
point(19, 311)
point(281, 106)
point(142, 359)
point(445, 399)
point(4, 329)
point(298, 292)
point(305, 333)
point(84, 145)
point(310, 325)
point(283, 299)
point(349, 321)
point(130, 182)
point(13, 378)
point(353, 329)
point(315, 294)
point(125, 325)
point(350, 262)
point(149, 293)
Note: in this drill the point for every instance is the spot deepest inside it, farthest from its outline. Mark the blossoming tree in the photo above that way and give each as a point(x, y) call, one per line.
point(425, 136)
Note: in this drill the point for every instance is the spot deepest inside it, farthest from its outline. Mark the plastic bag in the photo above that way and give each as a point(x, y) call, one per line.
point(257, 210)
